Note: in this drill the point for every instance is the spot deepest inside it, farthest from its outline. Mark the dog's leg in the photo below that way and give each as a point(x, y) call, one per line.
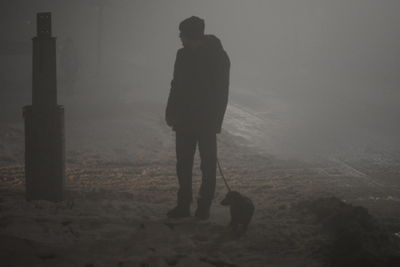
point(234, 226)
point(244, 228)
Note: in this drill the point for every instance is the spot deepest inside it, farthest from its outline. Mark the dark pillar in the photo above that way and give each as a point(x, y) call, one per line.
point(44, 121)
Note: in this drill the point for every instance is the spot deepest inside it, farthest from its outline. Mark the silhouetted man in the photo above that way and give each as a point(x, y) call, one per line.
point(195, 110)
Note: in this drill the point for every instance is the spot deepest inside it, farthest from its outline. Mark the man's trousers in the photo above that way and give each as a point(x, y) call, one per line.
point(186, 143)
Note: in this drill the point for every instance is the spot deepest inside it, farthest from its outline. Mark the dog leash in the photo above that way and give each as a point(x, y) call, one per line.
point(223, 177)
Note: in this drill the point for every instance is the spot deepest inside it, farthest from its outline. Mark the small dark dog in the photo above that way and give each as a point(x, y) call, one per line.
point(242, 209)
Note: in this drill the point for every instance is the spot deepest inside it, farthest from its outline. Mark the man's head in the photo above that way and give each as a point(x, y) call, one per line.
point(191, 32)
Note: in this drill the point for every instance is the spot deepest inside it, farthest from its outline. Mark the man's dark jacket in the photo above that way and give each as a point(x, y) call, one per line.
point(199, 89)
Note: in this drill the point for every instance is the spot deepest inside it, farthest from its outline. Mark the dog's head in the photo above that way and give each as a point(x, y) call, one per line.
point(231, 197)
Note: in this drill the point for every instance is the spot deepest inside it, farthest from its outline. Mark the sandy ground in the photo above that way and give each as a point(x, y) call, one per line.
point(120, 182)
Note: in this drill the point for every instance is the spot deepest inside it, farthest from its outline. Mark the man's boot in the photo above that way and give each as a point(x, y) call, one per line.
point(180, 211)
point(203, 210)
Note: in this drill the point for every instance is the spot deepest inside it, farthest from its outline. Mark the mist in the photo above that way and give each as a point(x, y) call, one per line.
point(327, 70)
point(313, 113)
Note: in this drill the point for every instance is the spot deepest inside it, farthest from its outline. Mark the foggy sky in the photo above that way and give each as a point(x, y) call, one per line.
point(337, 59)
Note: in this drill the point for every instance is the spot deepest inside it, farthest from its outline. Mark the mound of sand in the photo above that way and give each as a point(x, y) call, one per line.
point(354, 237)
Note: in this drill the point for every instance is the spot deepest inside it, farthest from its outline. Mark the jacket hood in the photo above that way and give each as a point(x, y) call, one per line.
point(211, 42)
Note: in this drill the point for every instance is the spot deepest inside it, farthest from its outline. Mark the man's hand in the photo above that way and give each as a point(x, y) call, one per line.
point(169, 121)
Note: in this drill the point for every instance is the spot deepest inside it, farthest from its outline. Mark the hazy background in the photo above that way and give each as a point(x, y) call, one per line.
point(327, 70)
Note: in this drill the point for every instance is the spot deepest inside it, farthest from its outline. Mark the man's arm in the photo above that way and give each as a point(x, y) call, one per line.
point(171, 110)
point(222, 86)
